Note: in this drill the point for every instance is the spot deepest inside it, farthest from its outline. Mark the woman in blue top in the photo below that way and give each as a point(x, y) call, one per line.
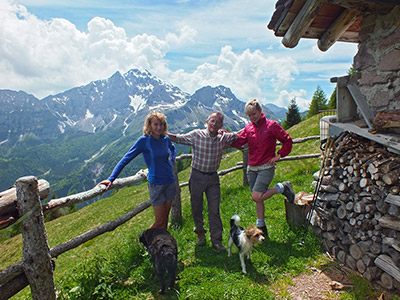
point(159, 154)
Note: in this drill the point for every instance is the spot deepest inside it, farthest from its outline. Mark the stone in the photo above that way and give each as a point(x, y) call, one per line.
point(390, 62)
point(369, 78)
point(363, 59)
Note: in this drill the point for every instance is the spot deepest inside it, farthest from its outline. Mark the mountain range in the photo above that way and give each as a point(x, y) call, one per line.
point(74, 139)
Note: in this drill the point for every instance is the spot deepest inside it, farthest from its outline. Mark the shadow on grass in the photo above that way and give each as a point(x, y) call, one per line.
point(269, 258)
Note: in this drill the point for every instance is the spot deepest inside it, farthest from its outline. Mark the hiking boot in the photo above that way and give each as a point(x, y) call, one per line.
point(265, 231)
point(288, 191)
point(201, 239)
point(201, 236)
point(219, 247)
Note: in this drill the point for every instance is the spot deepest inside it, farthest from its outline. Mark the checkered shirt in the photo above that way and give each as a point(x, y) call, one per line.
point(207, 150)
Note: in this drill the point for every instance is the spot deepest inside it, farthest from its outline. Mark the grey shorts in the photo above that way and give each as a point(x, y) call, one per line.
point(259, 181)
point(161, 192)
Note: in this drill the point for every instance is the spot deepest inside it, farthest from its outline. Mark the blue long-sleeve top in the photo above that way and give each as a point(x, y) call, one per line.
point(157, 155)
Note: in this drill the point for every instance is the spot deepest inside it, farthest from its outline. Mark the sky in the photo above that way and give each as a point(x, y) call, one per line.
point(50, 46)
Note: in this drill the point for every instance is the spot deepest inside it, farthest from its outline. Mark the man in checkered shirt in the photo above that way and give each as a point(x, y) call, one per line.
point(207, 148)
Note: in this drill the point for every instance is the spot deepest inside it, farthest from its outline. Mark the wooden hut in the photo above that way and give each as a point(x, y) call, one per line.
point(357, 210)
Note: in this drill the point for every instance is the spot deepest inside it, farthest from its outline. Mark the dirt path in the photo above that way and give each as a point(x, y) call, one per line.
point(328, 284)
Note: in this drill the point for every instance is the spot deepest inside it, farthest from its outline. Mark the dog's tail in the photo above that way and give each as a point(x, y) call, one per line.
point(235, 220)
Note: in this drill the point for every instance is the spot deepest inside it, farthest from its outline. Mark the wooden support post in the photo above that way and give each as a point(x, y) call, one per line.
point(245, 152)
point(36, 259)
point(176, 209)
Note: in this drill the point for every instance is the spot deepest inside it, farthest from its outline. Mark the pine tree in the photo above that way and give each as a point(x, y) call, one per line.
point(318, 102)
point(292, 116)
point(332, 100)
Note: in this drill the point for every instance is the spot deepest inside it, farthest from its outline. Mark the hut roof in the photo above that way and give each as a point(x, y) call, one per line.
point(326, 20)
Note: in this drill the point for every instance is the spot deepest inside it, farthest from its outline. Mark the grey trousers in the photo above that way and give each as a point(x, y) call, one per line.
point(208, 184)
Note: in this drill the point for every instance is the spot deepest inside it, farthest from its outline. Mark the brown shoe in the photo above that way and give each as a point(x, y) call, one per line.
point(201, 237)
point(201, 240)
point(219, 247)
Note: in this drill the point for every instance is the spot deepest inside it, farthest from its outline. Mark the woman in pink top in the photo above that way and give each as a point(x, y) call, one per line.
point(261, 135)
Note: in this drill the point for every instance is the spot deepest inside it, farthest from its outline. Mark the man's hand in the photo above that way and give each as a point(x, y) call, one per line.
point(172, 136)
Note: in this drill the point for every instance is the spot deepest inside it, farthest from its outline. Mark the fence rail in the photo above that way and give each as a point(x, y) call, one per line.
point(28, 272)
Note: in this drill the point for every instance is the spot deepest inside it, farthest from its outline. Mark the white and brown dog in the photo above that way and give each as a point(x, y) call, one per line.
point(244, 239)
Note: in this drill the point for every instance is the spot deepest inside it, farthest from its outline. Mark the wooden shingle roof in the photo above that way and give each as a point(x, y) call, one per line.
point(326, 20)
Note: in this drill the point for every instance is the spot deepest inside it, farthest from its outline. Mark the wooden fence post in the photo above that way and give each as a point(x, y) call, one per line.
point(176, 209)
point(36, 259)
point(245, 153)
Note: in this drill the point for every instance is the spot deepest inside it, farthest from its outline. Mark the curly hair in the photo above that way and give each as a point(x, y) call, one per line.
point(253, 103)
point(150, 117)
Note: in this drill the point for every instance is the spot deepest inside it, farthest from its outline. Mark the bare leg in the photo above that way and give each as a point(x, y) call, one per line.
point(260, 210)
point(259, 199)
point(161, 213)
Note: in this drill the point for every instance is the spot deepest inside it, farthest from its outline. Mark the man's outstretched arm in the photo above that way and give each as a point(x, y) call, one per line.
point(172, 136)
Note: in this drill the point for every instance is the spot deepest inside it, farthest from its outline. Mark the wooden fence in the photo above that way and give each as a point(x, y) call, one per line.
point(22, 205)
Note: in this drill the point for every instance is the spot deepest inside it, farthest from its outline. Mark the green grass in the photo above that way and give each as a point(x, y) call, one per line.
point(116, 266)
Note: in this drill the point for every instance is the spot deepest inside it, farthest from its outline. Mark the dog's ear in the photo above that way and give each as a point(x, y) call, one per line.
point(249, 233)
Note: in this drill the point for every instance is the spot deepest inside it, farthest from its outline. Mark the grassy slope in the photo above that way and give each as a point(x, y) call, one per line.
point(115, 266)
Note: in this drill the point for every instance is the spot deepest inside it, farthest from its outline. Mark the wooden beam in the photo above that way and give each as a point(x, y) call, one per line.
point(91, 234)
point(362, 104)
point(301, 23)
point(335, 31)
point(94, 192)
point(368, 6)
point(8, 198)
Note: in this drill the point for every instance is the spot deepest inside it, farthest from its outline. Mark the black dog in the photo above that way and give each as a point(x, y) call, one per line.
point(163, 250)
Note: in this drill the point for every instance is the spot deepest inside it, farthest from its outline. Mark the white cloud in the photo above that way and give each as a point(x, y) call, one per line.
point(285, 97)
point(190, 45)
point(45, 57)
point(247, 74)
point(187, 35)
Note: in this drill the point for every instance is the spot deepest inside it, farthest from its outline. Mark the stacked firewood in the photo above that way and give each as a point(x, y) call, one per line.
point(357, 211)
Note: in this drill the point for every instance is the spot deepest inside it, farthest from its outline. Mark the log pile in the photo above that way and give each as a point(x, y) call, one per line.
point(357, 212)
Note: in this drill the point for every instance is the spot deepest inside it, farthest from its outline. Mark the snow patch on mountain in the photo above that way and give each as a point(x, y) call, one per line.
point(61, 127)
point(68, 121)
point(223, 100)
point(95, 155)
point(126, 125)
point(245, 120)
point(148, 87)
point(111, 122)
point(88, 114)
point(137, 102)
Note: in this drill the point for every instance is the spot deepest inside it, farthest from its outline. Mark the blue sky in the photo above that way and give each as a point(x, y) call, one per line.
point(49, 46)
